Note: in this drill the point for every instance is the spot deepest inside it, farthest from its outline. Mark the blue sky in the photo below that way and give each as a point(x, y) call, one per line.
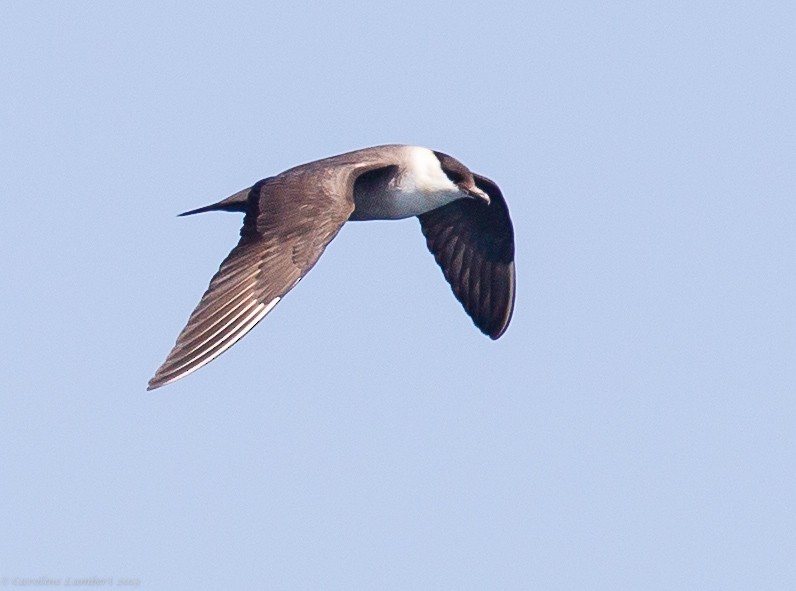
point(633, 429)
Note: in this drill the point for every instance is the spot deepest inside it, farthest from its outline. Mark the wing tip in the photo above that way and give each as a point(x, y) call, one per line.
point(174, 369)
point(496, 334)
point(498, 326)
point(158, 380)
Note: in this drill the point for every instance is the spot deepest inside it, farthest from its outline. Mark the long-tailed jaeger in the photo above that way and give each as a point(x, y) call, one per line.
point(290, 218)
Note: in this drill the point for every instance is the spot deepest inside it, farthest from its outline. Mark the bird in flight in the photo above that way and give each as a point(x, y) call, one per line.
point(290, 218)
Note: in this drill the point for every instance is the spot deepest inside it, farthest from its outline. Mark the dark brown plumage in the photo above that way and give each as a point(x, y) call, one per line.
point(473, 243)
point(291, 218)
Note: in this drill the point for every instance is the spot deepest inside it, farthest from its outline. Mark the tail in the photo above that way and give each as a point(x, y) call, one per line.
point(236, 202)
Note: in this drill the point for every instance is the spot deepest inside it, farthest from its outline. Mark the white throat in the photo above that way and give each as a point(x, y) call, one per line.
point(420, 186)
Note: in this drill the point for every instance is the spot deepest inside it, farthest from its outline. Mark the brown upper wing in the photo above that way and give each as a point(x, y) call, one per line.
point(284, 232)
point(473, 243)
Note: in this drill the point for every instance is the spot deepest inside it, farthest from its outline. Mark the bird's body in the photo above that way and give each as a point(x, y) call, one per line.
point(412, 186)
point(291, 218)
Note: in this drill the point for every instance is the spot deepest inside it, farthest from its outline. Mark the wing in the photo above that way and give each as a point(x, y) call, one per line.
point(284, 233)
point(473, 243)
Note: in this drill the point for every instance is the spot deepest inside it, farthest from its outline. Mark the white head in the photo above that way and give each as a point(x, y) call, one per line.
point(432, 172)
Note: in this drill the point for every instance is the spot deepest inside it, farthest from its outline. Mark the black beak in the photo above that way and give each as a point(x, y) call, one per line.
point(478, 194)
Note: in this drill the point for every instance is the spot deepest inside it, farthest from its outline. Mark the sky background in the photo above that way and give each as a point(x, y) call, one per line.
point(633, 429)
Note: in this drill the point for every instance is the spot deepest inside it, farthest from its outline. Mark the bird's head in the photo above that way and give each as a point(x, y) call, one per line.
point(428, 180)
point(461, 177)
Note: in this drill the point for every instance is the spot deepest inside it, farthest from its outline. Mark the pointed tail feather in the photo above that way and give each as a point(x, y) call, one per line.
point(236, 202)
